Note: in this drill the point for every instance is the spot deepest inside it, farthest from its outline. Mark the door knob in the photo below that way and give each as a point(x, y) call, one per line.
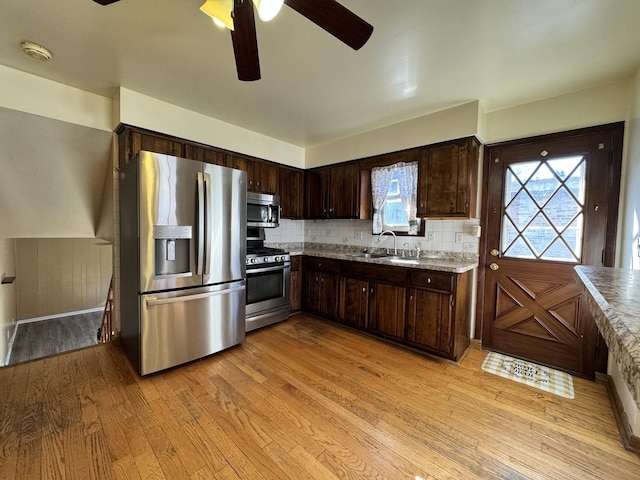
point(495, 252)
point(494, 266)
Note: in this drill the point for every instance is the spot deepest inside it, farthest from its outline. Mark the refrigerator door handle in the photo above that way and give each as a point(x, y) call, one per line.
point(207, 223)
point(151, 302)
point(200, 213)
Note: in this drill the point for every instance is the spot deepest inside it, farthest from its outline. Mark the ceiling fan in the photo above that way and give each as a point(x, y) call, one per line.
point(238, 16)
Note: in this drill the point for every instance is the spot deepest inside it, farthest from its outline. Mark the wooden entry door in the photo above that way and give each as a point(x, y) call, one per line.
point(550, 204)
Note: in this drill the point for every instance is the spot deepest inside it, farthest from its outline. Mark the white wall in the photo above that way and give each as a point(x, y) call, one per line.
point(7, 295)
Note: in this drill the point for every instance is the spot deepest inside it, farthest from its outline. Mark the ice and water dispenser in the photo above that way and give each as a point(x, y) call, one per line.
point(172, 250)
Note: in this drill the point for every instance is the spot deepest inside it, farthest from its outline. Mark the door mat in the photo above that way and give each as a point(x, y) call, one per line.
point(532, 374)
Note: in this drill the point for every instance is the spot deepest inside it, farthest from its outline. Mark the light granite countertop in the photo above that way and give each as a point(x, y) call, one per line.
point(439, 261)
point(612, 295)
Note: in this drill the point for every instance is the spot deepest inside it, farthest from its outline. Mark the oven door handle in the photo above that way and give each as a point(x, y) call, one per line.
point(268, 269)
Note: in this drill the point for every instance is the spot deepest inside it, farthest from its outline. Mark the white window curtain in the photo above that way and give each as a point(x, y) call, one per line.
point(408, 183)
point(380, 181)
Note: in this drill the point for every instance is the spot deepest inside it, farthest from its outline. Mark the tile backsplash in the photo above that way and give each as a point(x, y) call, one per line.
point(440, 235)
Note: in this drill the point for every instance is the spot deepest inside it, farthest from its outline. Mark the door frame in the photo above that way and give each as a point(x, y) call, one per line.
point(616, 130)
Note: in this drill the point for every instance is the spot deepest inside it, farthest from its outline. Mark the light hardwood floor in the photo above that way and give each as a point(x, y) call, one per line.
point(299, 400)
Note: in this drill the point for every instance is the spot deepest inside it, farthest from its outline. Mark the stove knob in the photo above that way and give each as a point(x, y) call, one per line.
point(265, 259)
point(276, 259)
point(253, 260)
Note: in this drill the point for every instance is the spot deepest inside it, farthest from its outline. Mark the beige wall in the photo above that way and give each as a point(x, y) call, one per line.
point(7, 295)
point(595, 106)
point(32, 94)
point(134, 108)
point(456, 122)
point(58, 275)
point(630, 231)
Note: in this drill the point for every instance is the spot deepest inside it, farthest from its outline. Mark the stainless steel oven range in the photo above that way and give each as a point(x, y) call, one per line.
point(268, 279)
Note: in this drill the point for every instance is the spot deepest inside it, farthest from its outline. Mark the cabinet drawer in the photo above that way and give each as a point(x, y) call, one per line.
point(378, 273)
point(321, 264)
point(430, 279)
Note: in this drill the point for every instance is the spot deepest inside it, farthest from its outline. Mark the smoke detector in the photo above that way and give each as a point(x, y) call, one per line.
point(36, 51)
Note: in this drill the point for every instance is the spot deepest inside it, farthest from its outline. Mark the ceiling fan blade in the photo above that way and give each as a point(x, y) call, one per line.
point(340, 22)
point(106, 2)
point(245, 42)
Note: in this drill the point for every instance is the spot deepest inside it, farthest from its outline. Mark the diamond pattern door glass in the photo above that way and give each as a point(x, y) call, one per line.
point(544, 209)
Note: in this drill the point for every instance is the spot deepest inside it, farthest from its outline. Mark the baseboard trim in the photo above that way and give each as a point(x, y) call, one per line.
point(631, 442)
point(58, 315)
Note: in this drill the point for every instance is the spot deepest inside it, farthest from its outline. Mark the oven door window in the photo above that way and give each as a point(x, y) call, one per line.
point(264, 286)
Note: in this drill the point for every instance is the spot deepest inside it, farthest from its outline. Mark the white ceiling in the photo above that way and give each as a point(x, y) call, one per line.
point(423, 56)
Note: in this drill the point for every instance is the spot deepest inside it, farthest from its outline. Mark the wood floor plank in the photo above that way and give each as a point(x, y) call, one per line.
point(304, 399)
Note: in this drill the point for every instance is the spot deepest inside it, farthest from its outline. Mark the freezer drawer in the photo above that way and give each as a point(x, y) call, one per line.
point(177, 327)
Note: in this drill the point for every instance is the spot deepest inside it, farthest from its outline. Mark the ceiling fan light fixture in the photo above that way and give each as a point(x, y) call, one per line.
point(220, 11)
point(268, 9)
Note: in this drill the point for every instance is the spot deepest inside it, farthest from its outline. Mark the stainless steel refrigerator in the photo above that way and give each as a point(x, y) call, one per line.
point(182, 260)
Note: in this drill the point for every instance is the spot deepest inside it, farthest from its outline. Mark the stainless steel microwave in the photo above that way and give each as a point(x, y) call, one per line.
point(263, 210)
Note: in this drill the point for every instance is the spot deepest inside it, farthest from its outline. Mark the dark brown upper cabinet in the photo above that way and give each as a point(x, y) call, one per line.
point(204, 154)
point(332, 192)
point(265, 176)
point(261, 176)
point(290, 189)
point(448, 177)
point(132, 140)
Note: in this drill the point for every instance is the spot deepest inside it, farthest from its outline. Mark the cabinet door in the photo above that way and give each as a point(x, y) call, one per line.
point(387, 309)
point(310, 289)
point(353, 305)
point(290, 187)
point(328, 295)
point(429, 319)
point(447, 180)
point(265, 177)
point(136, 141)
point(440, 164)
point(295, 291)
point(241, 163)
point(344, 191)
point(204, 154)
point(315, 193)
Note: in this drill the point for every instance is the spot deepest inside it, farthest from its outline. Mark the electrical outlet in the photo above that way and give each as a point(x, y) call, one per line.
point(459, 237)
point(431, 236)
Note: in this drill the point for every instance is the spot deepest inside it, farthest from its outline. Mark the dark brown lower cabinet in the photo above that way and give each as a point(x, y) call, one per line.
point(320, 287)
point(423, 309)
point(386, 309)
point(429, 319)
point(354, 294)
point(438, 312)
point(295, 288)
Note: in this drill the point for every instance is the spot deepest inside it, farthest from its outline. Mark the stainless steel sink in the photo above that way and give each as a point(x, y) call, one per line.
point(369, 255)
